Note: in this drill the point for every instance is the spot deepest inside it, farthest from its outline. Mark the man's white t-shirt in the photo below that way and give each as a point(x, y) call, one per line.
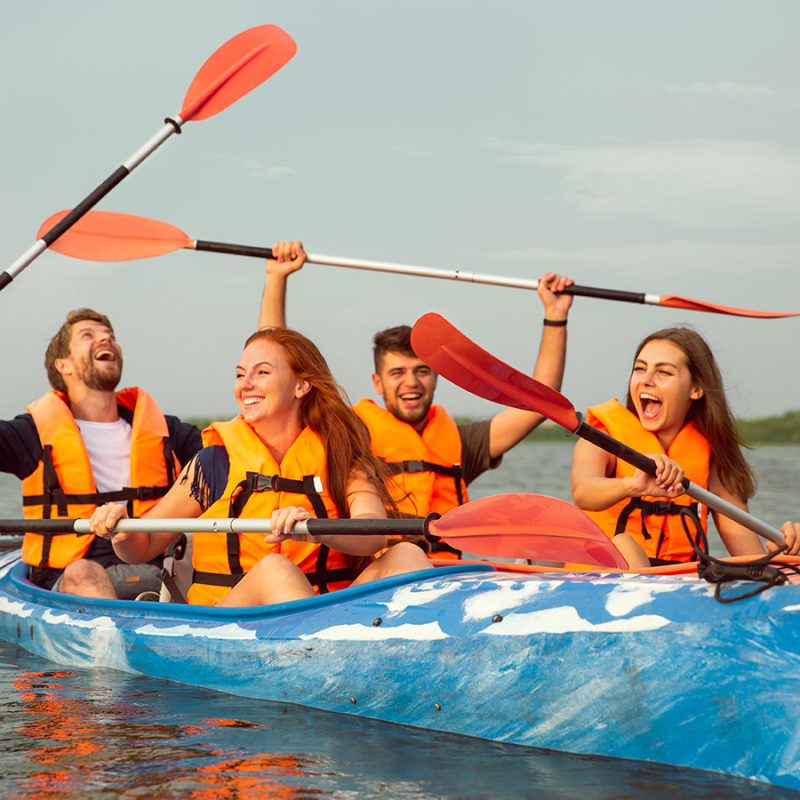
point(109, 447)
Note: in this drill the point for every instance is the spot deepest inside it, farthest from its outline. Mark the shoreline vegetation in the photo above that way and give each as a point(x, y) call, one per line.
point(764, 431)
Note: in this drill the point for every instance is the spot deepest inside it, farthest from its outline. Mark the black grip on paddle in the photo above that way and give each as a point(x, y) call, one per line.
point(5, 279)
point(37, 525)
point(366, 527)
point(234, 249)
point(620, 450)
point(605, 294)
point(85, 205)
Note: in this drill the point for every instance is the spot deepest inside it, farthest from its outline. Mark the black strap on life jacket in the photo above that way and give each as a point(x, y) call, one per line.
point(53, 493)
point(256, 482)
point(415, 466)
point(650, 508)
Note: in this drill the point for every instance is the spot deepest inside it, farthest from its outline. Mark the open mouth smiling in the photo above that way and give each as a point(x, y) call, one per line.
point(650, 405)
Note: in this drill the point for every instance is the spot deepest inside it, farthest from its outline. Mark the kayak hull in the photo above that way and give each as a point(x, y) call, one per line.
point(636, 666)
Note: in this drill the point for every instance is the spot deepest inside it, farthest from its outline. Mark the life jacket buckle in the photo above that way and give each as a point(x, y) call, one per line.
point(256, 482)
point(662, 508)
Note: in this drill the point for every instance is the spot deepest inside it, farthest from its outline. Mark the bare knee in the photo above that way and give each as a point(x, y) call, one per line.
point(86, 579)
point(273, 579)
point(400, 558)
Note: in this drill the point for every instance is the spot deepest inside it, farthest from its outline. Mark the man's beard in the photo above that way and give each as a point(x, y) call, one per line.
point(411, 417)
point(101, 380)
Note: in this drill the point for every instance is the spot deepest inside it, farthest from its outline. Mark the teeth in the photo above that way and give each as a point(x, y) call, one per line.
point(251, 401)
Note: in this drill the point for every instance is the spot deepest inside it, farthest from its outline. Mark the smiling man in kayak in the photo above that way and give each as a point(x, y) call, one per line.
point(84, 444)
point(433, 459)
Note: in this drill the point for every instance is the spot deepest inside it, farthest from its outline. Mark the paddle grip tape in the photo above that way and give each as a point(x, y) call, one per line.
point(620, 450)
point(233, 249)
point(366, 527)
point(85, 205)
point(605, 294)
point(5, 279)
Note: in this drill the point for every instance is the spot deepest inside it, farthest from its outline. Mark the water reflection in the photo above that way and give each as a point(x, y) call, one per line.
point(101, 733)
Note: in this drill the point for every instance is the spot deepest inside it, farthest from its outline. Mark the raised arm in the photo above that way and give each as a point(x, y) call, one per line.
point(512, 425)
point(288, 258)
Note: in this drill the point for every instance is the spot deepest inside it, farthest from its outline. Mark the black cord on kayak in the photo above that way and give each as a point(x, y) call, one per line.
point(713, 570)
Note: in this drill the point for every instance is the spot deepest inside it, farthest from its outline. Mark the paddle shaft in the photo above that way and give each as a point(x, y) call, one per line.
point(646, 464)
point(355, 527)
point(171, 125)
point(427, 272)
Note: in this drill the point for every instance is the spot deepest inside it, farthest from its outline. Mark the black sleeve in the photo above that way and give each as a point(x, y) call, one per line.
point(185, 438)
point(20, 448)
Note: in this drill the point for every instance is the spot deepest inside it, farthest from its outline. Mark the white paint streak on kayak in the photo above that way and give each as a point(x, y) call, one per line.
point(367, 633)
point(229, 631)
point(420, 595)
point(624, 599)
point(95, 623)
point(565, 619)
point(15, 608)
point(504, 599)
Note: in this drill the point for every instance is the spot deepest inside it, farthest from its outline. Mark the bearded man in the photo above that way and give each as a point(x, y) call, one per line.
point(84, 444)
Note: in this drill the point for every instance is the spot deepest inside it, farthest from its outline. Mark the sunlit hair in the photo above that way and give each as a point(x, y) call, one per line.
point(391, 340)
point(710, 413)
point(326, 411)
point(59, 344)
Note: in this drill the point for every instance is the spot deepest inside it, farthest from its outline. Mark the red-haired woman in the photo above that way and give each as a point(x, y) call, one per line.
point(676, 411)
point(296, 450)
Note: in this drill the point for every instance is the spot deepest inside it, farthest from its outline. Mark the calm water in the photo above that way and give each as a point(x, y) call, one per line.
point(100, 733)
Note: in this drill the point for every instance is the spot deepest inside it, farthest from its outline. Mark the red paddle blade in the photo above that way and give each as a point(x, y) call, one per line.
point(108, 236)
point(529, 526)
point(236, 68)
point(447, 351)
point(673, 301)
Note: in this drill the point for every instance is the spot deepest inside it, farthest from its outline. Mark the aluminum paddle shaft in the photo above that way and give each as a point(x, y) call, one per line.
point(234, 69)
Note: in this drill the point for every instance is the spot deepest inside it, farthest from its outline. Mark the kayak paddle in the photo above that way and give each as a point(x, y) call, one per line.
point(233, 70)
point(109, 236)
point(450, 353)
point(525, 526)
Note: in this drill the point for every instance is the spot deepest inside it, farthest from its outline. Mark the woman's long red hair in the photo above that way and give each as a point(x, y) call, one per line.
point(326, 411)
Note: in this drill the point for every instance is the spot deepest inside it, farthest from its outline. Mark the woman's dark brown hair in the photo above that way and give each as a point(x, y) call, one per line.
point(710, 413)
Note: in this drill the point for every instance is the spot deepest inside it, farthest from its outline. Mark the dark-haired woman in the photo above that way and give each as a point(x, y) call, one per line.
point(296, 450)
point(676, 412)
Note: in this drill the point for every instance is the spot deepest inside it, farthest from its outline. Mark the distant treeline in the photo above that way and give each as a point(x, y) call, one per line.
point(784, 429)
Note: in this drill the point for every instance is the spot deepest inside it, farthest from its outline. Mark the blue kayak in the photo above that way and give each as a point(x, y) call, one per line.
point(635, 666)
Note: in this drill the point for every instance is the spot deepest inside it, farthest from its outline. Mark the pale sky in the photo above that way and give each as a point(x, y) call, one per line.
point(648, 147)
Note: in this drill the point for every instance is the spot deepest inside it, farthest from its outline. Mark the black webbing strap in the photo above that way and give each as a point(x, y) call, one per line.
point(412, 467)
point(650, 508)
point(169, 459)
point(253, 483)
point(93, 498)
point(764, 570)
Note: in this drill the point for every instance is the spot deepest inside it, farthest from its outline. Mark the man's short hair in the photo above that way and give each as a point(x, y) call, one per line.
point(59, 344)
point(392, 340)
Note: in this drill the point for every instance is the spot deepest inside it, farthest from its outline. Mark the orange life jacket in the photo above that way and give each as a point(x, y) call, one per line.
point(653, 522)
point(62, 485)
point(257, 485)
point(426, 467)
